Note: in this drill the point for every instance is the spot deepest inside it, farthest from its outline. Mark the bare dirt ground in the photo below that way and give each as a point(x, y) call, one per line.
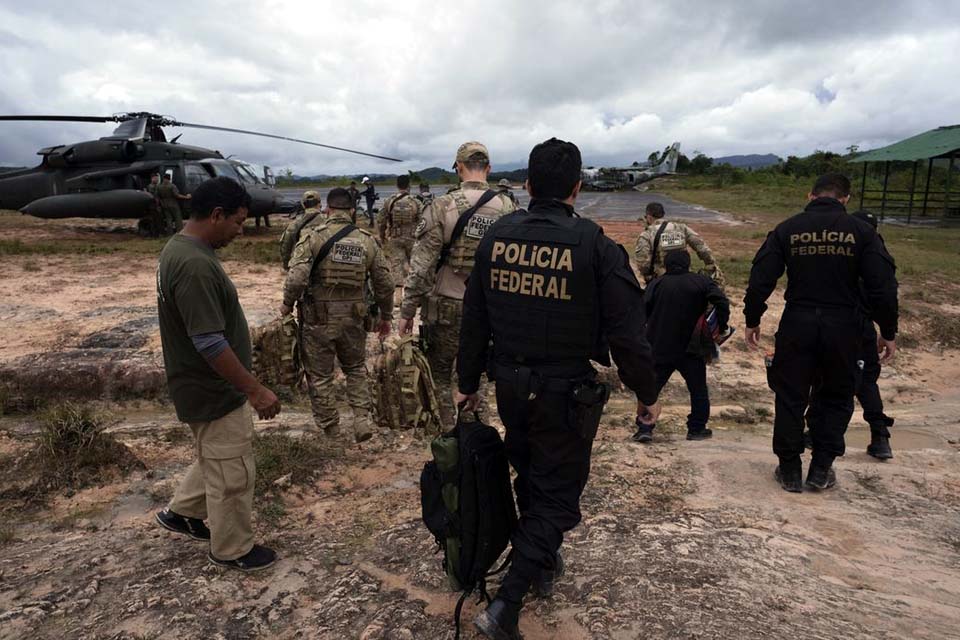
point(679, 539)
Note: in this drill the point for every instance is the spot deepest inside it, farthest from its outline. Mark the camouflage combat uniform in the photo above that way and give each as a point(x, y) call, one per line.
point(312, 217)
point(396, 223)
point(170, 205)
point(332, 313)
point(157, 218)
point(676, 235)
point(440, 294)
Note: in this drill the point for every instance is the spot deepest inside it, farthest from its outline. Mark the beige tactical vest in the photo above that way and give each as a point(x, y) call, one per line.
point(451, 279)
point(403, 215)
point(345, 267)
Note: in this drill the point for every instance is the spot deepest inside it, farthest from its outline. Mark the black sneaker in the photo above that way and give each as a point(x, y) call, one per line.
point(498, 622)
point(790, 480)
point(644, 433)
point(820, 478)
point(257, 558)
point(879, 447)
point(543, 588)
point(177, 523)
point(700, 434)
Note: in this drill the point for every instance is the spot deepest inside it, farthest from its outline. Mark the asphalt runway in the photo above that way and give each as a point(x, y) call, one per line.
point(599, 205)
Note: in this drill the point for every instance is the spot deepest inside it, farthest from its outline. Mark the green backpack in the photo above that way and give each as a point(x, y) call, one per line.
point(467, 504)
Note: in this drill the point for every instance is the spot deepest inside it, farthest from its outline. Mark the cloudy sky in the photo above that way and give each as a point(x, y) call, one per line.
point(414, 79)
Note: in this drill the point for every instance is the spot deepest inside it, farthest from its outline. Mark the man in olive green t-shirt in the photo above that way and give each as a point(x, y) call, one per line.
point(206, 354)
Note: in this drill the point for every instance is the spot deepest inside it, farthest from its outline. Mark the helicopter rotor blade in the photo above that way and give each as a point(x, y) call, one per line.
point(60, 118)
point(269, 135)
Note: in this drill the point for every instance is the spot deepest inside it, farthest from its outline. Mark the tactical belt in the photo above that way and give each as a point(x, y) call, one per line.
point(528, 381)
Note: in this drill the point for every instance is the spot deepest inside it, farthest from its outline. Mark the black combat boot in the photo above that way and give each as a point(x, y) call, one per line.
point(790, 477)
point(700, 434)
point(879, 446)
point(498, 621)
point(543, 588)
point(821, 477)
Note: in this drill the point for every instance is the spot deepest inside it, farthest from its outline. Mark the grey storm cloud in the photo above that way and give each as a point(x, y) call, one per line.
point(415, 79)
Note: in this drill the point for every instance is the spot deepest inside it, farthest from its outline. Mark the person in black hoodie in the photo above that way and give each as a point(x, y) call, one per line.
point(674, 303)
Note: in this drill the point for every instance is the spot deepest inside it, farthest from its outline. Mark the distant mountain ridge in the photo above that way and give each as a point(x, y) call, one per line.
point(750, 161)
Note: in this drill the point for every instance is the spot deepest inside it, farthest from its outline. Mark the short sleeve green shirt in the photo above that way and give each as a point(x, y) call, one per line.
point(195, 296)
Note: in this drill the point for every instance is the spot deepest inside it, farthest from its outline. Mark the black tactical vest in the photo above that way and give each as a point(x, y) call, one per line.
point(541, 290)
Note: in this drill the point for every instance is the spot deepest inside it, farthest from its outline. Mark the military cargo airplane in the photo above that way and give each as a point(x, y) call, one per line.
point(614, 178)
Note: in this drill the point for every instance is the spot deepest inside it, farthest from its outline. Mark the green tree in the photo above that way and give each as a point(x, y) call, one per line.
point(700, 164)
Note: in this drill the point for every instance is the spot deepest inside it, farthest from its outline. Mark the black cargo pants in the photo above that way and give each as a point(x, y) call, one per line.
point(868, 393)
point(548, 442)
point(816, 351)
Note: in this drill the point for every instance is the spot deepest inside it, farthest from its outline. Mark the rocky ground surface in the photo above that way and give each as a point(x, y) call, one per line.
point(679, 539)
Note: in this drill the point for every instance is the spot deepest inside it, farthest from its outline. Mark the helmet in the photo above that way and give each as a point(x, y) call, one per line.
point(310, 195)
point(504, 183)
point(365, 180)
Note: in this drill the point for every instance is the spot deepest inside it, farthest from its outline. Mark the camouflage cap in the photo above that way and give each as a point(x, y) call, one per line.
point(339, 198)
point(309, 195)
point(471, 151)
point(505, 183)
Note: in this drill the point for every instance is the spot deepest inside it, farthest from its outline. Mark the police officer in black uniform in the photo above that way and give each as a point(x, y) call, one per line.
point(826, 254)
point(868, 393)
point(552, 292)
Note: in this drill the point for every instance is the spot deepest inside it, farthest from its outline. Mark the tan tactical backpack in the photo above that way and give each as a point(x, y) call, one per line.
point(276, 352)
point(406, 396)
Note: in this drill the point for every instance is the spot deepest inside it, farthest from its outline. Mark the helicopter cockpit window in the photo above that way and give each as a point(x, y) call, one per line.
point(246, 174)
point(195, 175)
point(222, 168)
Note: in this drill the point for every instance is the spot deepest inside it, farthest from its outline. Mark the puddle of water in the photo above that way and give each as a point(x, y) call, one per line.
point(902, 438)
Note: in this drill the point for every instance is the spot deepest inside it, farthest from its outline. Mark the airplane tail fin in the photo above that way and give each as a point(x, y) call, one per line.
point(669, 164)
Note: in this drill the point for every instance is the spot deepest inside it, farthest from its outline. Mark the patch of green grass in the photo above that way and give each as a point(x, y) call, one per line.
point(139, 246)
point(920, 253)
point(258, 251)
point(72, 452)
point(766, 202)
point(278, 455)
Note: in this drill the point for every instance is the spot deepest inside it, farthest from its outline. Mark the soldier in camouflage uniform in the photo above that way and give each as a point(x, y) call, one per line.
point(312, 216)
point(330, 294)
point(506, 188)
point(159, 225)
point(675, 235)
point(170, 198)
point(396, 223)
point(439, 293)
point(425, 197)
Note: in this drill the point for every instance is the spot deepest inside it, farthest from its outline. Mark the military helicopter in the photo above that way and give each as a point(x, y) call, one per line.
point(105, 178)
